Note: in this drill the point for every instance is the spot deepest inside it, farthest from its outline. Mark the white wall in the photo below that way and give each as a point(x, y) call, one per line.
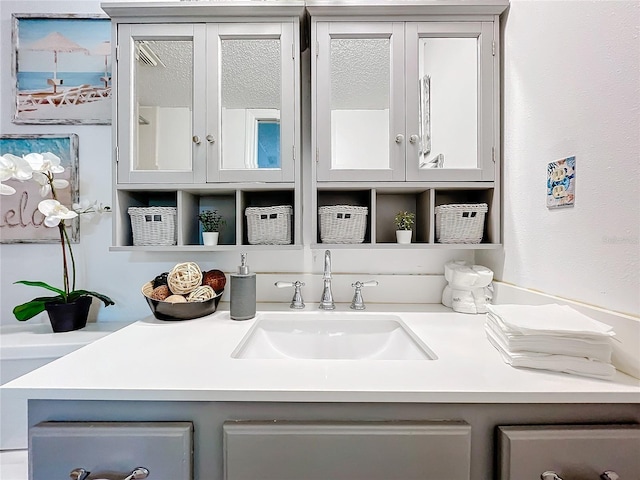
point(572, 87)
point(580, 99)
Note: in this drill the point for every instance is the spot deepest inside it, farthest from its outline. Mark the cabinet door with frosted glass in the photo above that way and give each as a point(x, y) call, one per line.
point(358, 101)
point(160, 90)
point(451, 123)
point(252, 97)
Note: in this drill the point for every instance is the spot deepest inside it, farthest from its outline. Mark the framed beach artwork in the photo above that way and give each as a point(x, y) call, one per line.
point(61, 69)
point(20, 219)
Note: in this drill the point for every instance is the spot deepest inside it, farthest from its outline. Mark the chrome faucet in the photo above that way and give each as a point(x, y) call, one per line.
point(326, 301)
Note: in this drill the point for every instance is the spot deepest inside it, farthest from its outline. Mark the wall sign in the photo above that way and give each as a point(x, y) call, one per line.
point(20, 219)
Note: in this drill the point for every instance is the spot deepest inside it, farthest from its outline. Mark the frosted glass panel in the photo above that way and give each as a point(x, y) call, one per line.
point(250, 94)
point(163, 92)
point(360, 93)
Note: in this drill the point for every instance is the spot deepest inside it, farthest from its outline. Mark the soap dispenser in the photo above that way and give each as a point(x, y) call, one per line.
point(243, 292)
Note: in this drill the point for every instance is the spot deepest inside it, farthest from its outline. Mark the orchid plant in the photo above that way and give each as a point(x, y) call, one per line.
point(42, 168)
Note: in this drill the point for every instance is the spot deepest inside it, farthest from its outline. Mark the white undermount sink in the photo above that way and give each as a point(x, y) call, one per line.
point(331, 336)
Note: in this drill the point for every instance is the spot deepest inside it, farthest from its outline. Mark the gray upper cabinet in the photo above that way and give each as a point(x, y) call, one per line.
point(207, 93)
point(405, 92)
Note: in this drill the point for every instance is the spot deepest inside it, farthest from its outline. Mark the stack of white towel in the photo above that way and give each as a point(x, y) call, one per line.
point(551, 337)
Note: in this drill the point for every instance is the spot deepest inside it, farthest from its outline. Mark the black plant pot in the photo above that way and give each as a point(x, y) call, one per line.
point(66, 317)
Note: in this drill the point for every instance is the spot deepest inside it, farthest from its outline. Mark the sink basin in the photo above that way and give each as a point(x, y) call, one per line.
point(331, 336)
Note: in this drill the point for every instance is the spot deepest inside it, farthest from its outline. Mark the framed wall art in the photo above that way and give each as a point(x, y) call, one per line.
point(61, 69)
point(20, 219)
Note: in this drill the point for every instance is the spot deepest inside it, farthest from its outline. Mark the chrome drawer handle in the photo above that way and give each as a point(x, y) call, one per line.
point(549, 475)
point(609, 475)
point(137, 473)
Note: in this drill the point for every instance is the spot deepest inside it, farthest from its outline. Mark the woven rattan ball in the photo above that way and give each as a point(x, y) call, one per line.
point(184, 278)
point(200, 294)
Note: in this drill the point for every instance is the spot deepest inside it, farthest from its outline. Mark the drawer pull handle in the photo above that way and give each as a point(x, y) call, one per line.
point(609, 475)
point(549, 475)
point(137, 473)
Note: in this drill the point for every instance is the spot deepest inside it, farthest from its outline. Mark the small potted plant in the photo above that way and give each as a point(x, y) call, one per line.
point(211, 222)
point(404, 224)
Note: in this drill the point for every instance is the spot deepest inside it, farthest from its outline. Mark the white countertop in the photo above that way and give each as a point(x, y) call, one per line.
point(37, 340)
point(191, 361)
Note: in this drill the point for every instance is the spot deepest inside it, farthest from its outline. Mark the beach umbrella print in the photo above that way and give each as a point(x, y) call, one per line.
point(104, 48)
point(57, 43)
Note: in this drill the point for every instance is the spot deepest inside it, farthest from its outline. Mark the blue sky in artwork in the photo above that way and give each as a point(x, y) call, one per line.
point(88, 33)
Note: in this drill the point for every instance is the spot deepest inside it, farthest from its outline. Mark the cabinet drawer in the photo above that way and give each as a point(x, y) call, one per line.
point(574, 452)
point(347, 451)
point(164, 448)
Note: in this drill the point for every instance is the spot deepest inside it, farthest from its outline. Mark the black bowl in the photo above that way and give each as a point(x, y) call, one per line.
point(180, 311)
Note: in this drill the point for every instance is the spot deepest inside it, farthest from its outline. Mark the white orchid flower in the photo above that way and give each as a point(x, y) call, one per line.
point(44, 162)
point(12, 166)
point(85, 206)
point(45, 183)
point(6, 189)
point(55, 212)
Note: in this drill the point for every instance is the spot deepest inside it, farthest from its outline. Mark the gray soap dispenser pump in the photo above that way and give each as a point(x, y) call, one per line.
point(243, 292)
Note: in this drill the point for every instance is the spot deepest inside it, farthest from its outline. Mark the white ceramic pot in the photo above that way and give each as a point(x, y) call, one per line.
point(403, 236)
point(210, 238)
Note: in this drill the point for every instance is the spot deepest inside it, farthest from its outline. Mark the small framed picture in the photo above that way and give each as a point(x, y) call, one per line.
point(561, 183)
point(20, 219)
point(61, 69)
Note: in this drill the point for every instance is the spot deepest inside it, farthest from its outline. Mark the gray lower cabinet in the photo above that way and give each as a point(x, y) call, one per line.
point(347, 450)
point(569, 452)
point(111, 450)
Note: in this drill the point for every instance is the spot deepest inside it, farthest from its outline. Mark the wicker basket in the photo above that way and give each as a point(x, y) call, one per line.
point(153, 225)
point(460, 223)
point(342, 223)
point(269, 225)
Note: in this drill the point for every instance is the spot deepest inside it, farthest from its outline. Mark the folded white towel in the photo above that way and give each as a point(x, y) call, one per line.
point(595, 348)
point(551, 319)
point(557, 363)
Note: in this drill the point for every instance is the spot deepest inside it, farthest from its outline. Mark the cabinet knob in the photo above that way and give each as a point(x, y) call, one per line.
point(413, 138)
point(210, 139)
point(196, 139)
point(399, 138)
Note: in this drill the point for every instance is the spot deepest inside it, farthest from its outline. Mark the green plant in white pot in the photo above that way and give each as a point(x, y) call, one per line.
point(211, 222)
point(404, 222)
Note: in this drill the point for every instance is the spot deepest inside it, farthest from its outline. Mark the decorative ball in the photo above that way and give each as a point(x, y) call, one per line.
point(175, 299)
point(160, 279)
point(216, 279)
point(160, 293)
point(201, 293)
point(184, 278)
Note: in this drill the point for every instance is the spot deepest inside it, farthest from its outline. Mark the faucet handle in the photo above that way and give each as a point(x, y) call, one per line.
point(358, 303)
point(297, 301)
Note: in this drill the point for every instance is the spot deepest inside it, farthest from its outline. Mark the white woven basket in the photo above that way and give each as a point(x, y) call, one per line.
point(342, 223)
point(153, 225)
point(269, 225)
point(460, 223)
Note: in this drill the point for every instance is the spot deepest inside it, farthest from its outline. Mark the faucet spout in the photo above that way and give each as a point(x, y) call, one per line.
point(326, 301)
